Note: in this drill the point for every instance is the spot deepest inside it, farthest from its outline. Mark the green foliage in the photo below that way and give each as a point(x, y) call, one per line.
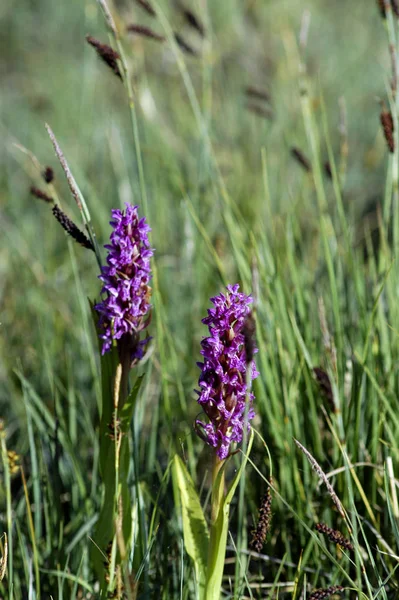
point(195, 529)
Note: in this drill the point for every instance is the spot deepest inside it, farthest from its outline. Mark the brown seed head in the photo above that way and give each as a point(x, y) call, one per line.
point(147, 7)
point(323, 593)
point(301, 159)
point(72, 229)
point(327, 169)
point(145, 31)
point(48, 175)
point(325, 386)
point(260, 111)
point(193, 21)
point(106, 53)
point(38, 193)
point(334, 536)
point(184, 46)
point(254, 92)
point(388, 129)
point(265, 517)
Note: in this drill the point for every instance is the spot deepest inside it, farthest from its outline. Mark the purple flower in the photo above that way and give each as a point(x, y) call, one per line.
point(127, 274)
point(222, 383)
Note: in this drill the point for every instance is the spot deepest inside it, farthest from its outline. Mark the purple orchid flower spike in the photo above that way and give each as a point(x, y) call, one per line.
point(223, 379)
point(125, 311)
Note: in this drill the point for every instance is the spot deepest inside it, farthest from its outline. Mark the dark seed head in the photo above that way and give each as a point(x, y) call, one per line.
point(260, 111)
point(38, 193)
point(301, 159)
point(323, 593)
point(265, 517)
point(254, 92)
point(193, 21)
point(184, 46)
point(48, 175)
point(325, 386)
point(147, 7)
point(327, 169)
point(334, 536)
point(388, 129)
point(145, 32)
point(106, 53)
point(72, 229)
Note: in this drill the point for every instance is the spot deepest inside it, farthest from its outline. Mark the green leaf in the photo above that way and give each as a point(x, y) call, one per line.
point(126, 414)
point(105, 524)
point(114, 485)
point(195, 529)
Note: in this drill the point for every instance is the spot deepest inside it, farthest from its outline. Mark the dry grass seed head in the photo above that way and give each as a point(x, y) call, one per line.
point(184, 46)
point(301, 159)
point(334, 536)
point(265, 515)
point(254, 92)
point(145, 5)
point(106, 53)
point(38, 193)
point(193, 21)
point(71, 229)
point(260, 111)
point(317, 468)
point(323, 593)
point(145, 32)
point(325, 386)
point(48, 174)
point(388, 128)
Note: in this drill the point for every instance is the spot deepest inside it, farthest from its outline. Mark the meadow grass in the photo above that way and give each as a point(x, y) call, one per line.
point(228, 202)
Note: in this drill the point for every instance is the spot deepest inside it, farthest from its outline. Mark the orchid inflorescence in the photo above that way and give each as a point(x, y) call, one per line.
point(224, 394)
point(124, 312)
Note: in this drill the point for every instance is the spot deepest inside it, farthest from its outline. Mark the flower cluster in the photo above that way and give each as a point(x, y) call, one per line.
point(223, 380)
point(126, 277)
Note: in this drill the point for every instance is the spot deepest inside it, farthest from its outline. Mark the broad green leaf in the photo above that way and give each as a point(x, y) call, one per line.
point(115, 484)
point(105, 525)
point(126, 413)
point(195, 529)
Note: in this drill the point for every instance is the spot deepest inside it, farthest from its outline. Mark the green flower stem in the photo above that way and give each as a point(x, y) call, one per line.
point(114, 524)
point(122, 496)
point(217, 489)
point(221, 501)
point(218, 532)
